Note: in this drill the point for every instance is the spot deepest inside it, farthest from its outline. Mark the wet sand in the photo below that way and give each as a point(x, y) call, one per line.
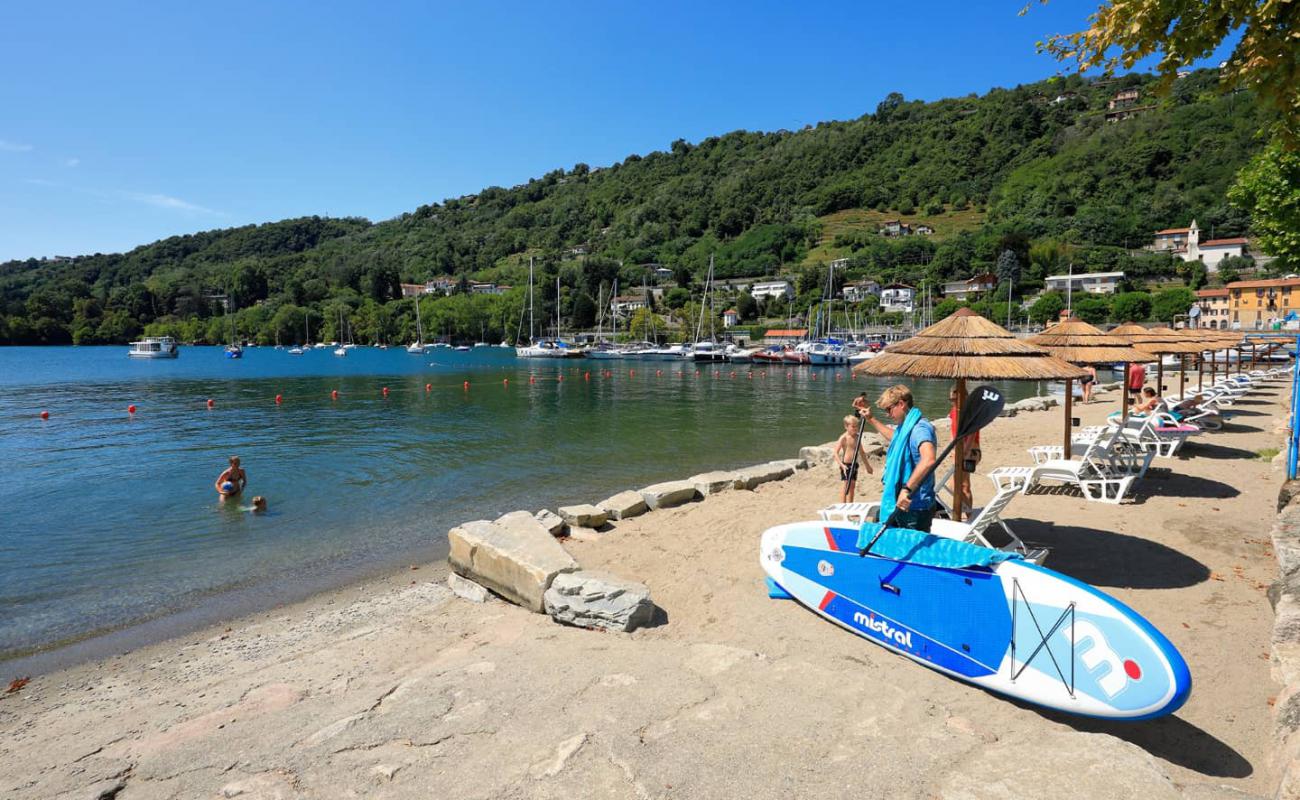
point(394, 688)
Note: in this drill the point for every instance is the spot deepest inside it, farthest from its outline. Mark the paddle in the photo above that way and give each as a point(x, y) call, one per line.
point(982, 406)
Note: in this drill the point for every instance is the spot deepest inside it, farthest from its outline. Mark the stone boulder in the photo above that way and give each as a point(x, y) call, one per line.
point(551, 522)
point(623, 505)
point(523, 522)
point(668, 494)
point(818, 454)
point(795, 464)
point(591, 599)
point(467, 589)
point(514, 560)
point(584, 516)
point(750, 477)
point(707, 483)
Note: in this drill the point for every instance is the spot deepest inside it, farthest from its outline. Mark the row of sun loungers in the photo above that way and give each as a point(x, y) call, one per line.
point(1110, 460)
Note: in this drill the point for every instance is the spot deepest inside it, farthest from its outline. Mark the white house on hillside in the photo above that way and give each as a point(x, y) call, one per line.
point(1090, 282)
point(897, 297)
point(857, 292)
point(1186, 244)
point(781, 289)
point(626, 304)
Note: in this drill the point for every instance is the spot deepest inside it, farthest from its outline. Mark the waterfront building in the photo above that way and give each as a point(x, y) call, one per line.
point(857, 292)
point(625, 304)
point(1186, 244)
point(1214, 308)
point(1258, 305)
point(1090, 282)
point(785, 335)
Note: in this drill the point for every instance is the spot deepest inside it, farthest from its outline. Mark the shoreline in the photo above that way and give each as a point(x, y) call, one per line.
point(394, 685)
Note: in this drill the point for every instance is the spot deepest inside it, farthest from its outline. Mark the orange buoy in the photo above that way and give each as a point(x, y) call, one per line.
point(211, 403)
point(334, 395)
point(532, 379)
point(659, 373)
point(428, 387)
point(45, 415)
point(385, 391)
point(505, 381)
point(631, 372)
point(279, 399)
point(586, 376)
point(130, 409)
point(466, 386)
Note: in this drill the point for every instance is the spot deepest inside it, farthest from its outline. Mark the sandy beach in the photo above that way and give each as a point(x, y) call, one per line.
point(396, 688)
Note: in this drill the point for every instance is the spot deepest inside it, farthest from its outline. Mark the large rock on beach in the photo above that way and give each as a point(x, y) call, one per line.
point(750, 477)
point(818, 454)
point(795, 464)
point(584, 516)
point(624, 505)
point(514, 560)
point(591, 599)
point(522, 522)
point(707, 483)
point(467, 589)
point(551, 522)
point(668, 494)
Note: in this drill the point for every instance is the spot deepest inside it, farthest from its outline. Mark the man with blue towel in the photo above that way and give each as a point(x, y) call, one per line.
point(907, 477)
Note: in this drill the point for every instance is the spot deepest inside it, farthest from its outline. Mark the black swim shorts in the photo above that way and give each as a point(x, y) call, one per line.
point(849, 473)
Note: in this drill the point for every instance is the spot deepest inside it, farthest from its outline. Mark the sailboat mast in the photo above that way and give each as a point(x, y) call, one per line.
point(532, 325)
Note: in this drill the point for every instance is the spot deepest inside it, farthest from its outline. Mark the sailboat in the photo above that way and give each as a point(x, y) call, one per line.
point(234, 350)
point(342, 349)
point(708, 350)
point(417, 347)
point(538, 348)
point(603, 350)
point(306, 335)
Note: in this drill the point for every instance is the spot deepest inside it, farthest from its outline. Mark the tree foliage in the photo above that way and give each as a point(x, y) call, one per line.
point(1269, 190)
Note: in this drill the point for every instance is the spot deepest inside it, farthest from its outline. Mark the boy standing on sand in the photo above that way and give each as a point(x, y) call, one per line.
point(848, 460)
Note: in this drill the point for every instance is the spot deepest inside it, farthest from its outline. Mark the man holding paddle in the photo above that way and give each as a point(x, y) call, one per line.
point(908, 477)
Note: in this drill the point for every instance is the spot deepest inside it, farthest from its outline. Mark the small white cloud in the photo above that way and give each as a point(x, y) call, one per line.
point(14, 147)
point(71, 162)
point(167, 201)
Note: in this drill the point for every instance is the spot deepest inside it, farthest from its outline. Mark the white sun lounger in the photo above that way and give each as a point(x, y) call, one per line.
point(1096, 474)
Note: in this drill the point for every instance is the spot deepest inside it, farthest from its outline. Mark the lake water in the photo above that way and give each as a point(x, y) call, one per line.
point(109, 520)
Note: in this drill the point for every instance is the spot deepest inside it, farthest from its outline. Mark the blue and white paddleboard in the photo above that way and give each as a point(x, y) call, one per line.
point(1010, 627)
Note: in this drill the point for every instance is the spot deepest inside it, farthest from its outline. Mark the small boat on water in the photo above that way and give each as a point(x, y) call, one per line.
point(234, 351)
point(542, 348)
point(708, 352)
point(743, 356)
point(827, 353)
point(295, 351)
point(154, 347)
point(462, 348)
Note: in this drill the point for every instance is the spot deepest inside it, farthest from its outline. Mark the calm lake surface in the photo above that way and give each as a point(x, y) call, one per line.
point(110, 520)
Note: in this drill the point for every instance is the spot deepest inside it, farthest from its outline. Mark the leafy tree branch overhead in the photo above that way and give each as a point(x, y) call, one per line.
point(1266, 59)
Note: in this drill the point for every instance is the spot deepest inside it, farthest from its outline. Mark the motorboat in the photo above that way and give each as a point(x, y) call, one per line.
point(827, 353)
point(707, 352)
point(462, 348)
point(675, 352)
point(154, 347)
point(482, 344)
point(743, 355)
point(295, 351)
point(340, 351)
point(234, 351)
point(771, 354)
point(542, 348)
point(797, 354)
point(607, 351)
point(416, 348)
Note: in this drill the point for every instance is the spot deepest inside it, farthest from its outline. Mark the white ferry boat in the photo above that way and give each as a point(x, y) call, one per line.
point(154, 347)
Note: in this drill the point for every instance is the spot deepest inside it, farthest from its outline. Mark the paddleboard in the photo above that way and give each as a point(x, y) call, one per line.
point(1011, 627)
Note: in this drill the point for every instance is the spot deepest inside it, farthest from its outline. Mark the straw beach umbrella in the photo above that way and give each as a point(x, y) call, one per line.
point(1078, 342)
point(1167, 341)
point(966, 346)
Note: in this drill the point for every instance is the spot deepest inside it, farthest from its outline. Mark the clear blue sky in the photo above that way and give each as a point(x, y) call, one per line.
point(123, 123)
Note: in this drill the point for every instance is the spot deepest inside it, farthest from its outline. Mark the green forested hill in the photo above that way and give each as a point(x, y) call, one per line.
point(1035, 169)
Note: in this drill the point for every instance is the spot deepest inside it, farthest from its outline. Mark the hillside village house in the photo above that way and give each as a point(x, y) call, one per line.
point(1090, 282)
point(1256, 305)
point(781, 289)
point(895, 227)
point(964, 290)
point(1214, 308)
point(897, 297)
point(730, 318)
point(487, 288)
point(857, 292)
point(443, 285)
point(1186, 244)
point(626, 304)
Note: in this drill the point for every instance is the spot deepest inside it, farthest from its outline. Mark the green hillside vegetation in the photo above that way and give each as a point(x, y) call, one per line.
point(1035, 170)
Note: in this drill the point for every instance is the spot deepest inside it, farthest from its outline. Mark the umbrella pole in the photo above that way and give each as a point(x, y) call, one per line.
point(959, 466)
point(1252, 355)
point(1069, 409)
point(1160, 375)
point(1200, 371)
point(1182, 385)
point(1123, 397)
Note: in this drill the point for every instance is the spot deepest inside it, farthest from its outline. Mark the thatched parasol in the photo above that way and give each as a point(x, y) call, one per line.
point(1166, 341)
point(968, 346)
point(1080, 343)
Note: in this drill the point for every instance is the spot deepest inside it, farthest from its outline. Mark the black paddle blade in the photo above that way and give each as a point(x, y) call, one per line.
point(982, 406)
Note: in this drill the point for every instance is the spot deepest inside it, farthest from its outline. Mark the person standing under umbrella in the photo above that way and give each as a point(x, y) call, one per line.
point(907, 477)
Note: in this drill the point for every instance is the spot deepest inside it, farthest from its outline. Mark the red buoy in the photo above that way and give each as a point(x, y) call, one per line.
point(466, 386)
point(586, 376)
point(532, 379)
point(45, 415)
point(559, 379)
point(385, 391)
point(130, 409)
point(428, 387)
point(334, 395)
point(211, 403)
point(279, 399)
point(659, 373)
point(505, 381)
point(631, 373)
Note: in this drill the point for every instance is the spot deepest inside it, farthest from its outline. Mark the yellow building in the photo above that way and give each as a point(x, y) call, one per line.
point(1256, 305)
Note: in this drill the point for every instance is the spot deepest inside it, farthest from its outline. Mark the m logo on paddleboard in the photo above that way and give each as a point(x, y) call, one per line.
point(872, 623)
point(1099, 653)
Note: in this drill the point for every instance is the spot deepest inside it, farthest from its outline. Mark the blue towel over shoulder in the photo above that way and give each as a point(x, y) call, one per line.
point(915, 547)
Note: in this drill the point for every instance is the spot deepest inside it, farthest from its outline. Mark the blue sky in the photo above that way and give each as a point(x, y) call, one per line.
point(123, 123)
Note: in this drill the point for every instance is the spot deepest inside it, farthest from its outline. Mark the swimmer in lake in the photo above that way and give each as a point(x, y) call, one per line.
point(233, 480)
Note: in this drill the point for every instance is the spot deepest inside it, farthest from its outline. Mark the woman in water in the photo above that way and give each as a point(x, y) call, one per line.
point(233, 480)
